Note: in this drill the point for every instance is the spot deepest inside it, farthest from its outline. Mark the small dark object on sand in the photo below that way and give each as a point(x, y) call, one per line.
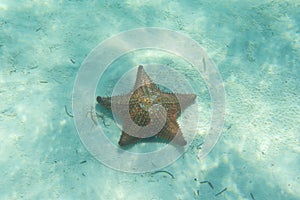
point(66, 110)
point(163, 171)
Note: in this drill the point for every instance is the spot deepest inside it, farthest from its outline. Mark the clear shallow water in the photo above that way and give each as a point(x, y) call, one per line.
point(255, 46)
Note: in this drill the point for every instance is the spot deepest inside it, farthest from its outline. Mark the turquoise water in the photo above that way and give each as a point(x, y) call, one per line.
point(254, 44)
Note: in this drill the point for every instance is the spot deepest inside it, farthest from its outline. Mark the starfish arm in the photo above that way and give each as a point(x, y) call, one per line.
point(119, 101)
point(104, 101)
point(175, 103)
point(125, 138)
point(185, 100)
point(142, 78)
point(170, 130)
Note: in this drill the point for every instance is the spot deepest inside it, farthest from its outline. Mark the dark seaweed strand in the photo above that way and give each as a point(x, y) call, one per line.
point(72, 61)
point(38, 29)
point(92, 116)
point(66, 110)
point(252, 197)
point(209, 183)
point(204, 64)
point(221, 192)
point(163, 171)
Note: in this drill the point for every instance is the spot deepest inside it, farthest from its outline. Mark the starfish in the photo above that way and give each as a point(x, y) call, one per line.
point(147, 111)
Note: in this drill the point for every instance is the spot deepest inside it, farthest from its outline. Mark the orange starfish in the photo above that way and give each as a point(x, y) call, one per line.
point(143, 117)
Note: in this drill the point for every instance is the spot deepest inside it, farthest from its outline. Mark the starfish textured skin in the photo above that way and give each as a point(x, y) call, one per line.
point(148, 105)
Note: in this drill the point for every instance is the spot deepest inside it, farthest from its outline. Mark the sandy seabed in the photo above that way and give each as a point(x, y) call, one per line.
point(256, 47)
